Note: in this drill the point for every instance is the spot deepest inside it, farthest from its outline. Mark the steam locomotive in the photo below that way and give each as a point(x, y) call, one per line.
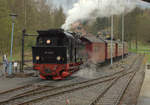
point(58, 54)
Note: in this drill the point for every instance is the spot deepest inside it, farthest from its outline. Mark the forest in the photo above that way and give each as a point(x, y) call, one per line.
point(136, 26)
point(33, 15)
point(36, 15)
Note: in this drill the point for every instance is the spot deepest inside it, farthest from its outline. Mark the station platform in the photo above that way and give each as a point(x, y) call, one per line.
point(144, 97)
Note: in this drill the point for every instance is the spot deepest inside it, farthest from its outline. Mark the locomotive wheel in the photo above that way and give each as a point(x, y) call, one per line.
point(45, 77)
point(61, 72)
point(64, 74)
point(48, 77)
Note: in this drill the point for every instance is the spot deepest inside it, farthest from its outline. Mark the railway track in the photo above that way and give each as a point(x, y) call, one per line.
point(114, 93)
point(31, 85)
point(53, 92)
point(32, 88)
point(42, 92)
point(22, 90)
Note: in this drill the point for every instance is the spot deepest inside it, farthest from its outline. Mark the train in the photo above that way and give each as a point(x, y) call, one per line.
point(57, 54)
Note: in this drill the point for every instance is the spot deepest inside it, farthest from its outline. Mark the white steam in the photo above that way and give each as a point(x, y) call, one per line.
point(88, 71)
point(90, 9)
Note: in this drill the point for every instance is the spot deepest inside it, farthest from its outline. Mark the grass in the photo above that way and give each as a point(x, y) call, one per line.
point(148, 58)
point(142, 49)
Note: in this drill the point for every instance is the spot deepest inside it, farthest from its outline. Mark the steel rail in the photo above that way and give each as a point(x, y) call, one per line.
point(127, 86)
point(94, 102)
point(78, 88)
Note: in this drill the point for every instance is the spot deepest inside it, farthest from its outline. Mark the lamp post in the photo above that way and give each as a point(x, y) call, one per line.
point(122, 36)
point(13, 16)
point(112, 35)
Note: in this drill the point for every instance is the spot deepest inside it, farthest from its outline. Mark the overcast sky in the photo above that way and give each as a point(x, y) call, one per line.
point(68, 4)
point(144, 4)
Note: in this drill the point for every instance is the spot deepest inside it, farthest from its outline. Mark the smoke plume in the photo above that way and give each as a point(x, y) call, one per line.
point(90, 9)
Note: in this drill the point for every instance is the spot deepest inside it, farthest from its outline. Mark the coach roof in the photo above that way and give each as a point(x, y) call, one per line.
point(92, 39)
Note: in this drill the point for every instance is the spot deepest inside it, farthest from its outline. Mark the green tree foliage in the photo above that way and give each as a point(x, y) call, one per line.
point(33, 15)
point(137, 25)
point(99, 24)
point(4, 26)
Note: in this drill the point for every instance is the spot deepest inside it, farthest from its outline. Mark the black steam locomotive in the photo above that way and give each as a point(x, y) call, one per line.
point(58, 54)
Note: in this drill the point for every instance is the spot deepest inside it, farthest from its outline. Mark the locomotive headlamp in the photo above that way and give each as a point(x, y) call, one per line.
point(58, 58)
point(48, 41)
point(37, 58)
point(107, 36)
